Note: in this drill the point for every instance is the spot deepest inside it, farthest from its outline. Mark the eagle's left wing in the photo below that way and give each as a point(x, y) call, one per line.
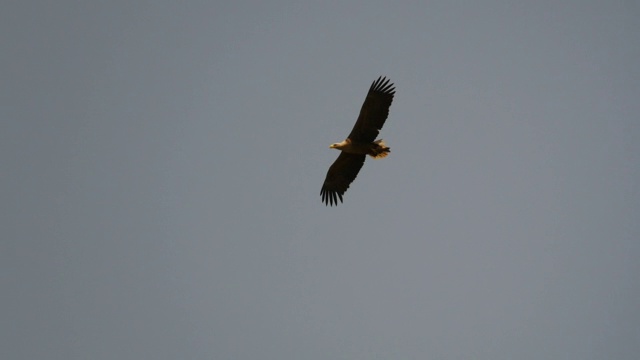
point(374, 111)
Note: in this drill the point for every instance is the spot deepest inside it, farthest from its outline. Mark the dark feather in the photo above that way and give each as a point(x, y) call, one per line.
point(374, 111)
point(340, 175)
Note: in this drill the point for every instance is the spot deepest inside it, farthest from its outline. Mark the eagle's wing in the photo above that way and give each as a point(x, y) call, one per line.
point(374, 111)
point(340, 175)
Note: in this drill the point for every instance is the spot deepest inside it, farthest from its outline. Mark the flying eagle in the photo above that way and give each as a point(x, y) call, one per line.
point(360, 142)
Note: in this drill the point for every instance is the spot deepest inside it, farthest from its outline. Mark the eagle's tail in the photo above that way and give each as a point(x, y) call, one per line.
point(379, 149)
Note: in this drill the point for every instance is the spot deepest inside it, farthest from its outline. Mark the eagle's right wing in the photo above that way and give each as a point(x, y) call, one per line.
point(340, 175)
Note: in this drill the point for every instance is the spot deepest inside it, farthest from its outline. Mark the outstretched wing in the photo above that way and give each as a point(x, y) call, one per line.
point(374, 111)
point(340, 175)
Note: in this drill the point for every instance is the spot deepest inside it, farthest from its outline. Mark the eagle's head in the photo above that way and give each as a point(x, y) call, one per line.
point(341, 145)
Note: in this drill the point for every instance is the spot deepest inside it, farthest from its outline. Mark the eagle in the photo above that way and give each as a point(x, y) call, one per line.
point(360, 142)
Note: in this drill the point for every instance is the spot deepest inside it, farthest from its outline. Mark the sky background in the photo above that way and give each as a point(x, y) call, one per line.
point(161, 163)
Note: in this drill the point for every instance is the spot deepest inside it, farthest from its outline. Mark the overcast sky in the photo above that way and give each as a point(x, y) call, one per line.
point(161, 163)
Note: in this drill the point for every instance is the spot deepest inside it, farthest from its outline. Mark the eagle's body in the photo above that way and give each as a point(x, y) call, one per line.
point(376, 149)
point(360, 142)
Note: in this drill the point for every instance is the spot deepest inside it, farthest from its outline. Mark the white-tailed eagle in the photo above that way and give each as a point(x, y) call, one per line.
point(360, 142)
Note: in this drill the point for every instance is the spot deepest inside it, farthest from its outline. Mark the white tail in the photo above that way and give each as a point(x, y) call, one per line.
point(379, 149)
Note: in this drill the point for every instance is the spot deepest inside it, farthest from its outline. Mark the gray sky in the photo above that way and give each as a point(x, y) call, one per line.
point(161, 164)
